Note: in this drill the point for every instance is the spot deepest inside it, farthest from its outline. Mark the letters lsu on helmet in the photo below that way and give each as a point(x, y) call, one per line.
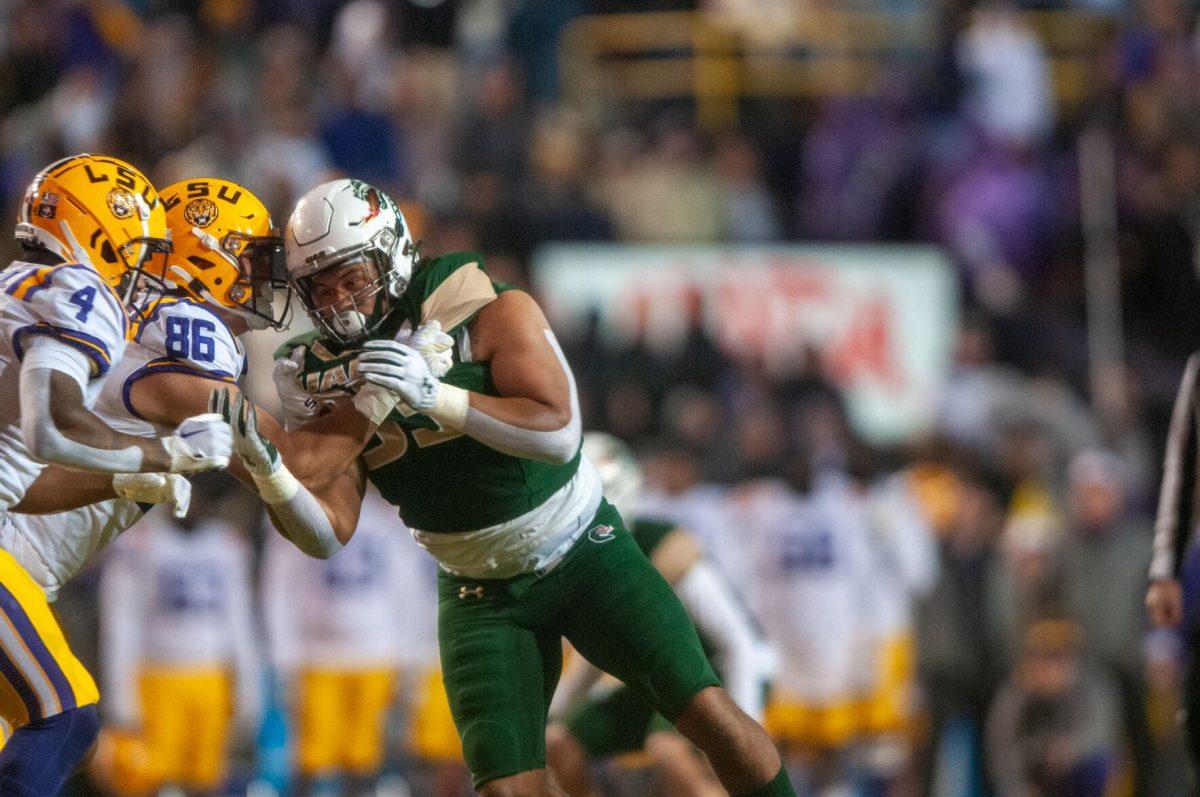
point(620, 474)
point(226, 250)
point(99, 211)
point(352, 234)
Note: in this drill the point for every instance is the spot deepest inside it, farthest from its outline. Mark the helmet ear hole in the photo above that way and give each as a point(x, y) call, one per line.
point(107, 254)
point(200, 262)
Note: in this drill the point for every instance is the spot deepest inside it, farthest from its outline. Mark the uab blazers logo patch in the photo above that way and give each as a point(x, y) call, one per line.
point(601, 533)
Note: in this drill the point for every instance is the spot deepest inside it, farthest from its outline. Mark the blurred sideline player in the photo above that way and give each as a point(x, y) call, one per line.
point(594, 720)
point(179, 650)
point(334, 630)
point(87, 225)
point(905, 567)
point(814, 557)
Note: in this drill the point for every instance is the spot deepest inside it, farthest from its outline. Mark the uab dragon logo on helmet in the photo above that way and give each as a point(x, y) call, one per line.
point(99, 211)
point(350, 255)
point(227, 251)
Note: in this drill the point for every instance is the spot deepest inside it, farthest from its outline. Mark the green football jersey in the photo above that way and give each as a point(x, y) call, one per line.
point(442, 481)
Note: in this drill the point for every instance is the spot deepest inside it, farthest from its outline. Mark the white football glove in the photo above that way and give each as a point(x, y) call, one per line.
point(400, 370)
point(202, 442)
point(298, 407)
point(434, 345)
point(155, 488)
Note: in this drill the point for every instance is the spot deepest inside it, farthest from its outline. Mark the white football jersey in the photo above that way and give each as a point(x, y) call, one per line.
point(175, 598)
point(72, 304)
point(372, 604)
point(904, 553)
point(812, 559)
point(178, 335)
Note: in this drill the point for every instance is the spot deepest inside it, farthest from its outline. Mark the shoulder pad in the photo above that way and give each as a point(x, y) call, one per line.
point(450, 290)
point(73, 304)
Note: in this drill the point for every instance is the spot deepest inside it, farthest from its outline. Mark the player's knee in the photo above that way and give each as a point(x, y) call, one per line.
point(713, 707)
point(40, 756)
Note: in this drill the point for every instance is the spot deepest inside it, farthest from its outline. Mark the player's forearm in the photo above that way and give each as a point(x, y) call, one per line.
point(1175, 497)
point(319, 524)
point(58, 490)
point(318, 452)
point(524, 428)
point(302, 519)
point(58, 429)
point(710, 603)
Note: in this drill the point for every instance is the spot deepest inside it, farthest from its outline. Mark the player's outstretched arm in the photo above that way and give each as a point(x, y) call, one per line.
point(59, 490)
point(163, 398)
point(536, 415)
point(58, 428)
point(314, 527)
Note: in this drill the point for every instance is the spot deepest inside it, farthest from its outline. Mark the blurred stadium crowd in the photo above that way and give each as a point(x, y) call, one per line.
point(960, 612)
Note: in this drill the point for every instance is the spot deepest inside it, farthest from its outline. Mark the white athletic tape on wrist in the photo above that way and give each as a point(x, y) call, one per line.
point(451, 406)
point(278, 487)
point(375, 403)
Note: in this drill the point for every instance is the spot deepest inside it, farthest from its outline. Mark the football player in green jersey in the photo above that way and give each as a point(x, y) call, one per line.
point(595, 719)
point(481, 454)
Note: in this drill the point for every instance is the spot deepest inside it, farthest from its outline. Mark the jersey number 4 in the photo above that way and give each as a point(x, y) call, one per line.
point(191, 338)
point(84, 299)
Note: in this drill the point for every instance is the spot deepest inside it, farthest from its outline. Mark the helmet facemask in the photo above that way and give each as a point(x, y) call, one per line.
point(139, 286)
point(367, 283)
point(261, 270)
point(347, 299)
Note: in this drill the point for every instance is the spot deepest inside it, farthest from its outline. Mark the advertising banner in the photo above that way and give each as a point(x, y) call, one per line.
point(882, 318)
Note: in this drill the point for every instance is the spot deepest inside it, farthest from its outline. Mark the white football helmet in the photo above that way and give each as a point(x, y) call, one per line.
point(349, 223)
point(620, 474)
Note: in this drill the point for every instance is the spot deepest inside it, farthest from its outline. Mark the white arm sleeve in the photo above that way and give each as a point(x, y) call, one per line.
point(1176, 495)
point(44, 441)
point(718, 615)
point(121, 608)
point(557, 447)
point(302, 519)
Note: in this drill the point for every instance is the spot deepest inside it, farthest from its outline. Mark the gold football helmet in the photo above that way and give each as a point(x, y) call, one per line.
point(226, 250)
point(99, 211)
